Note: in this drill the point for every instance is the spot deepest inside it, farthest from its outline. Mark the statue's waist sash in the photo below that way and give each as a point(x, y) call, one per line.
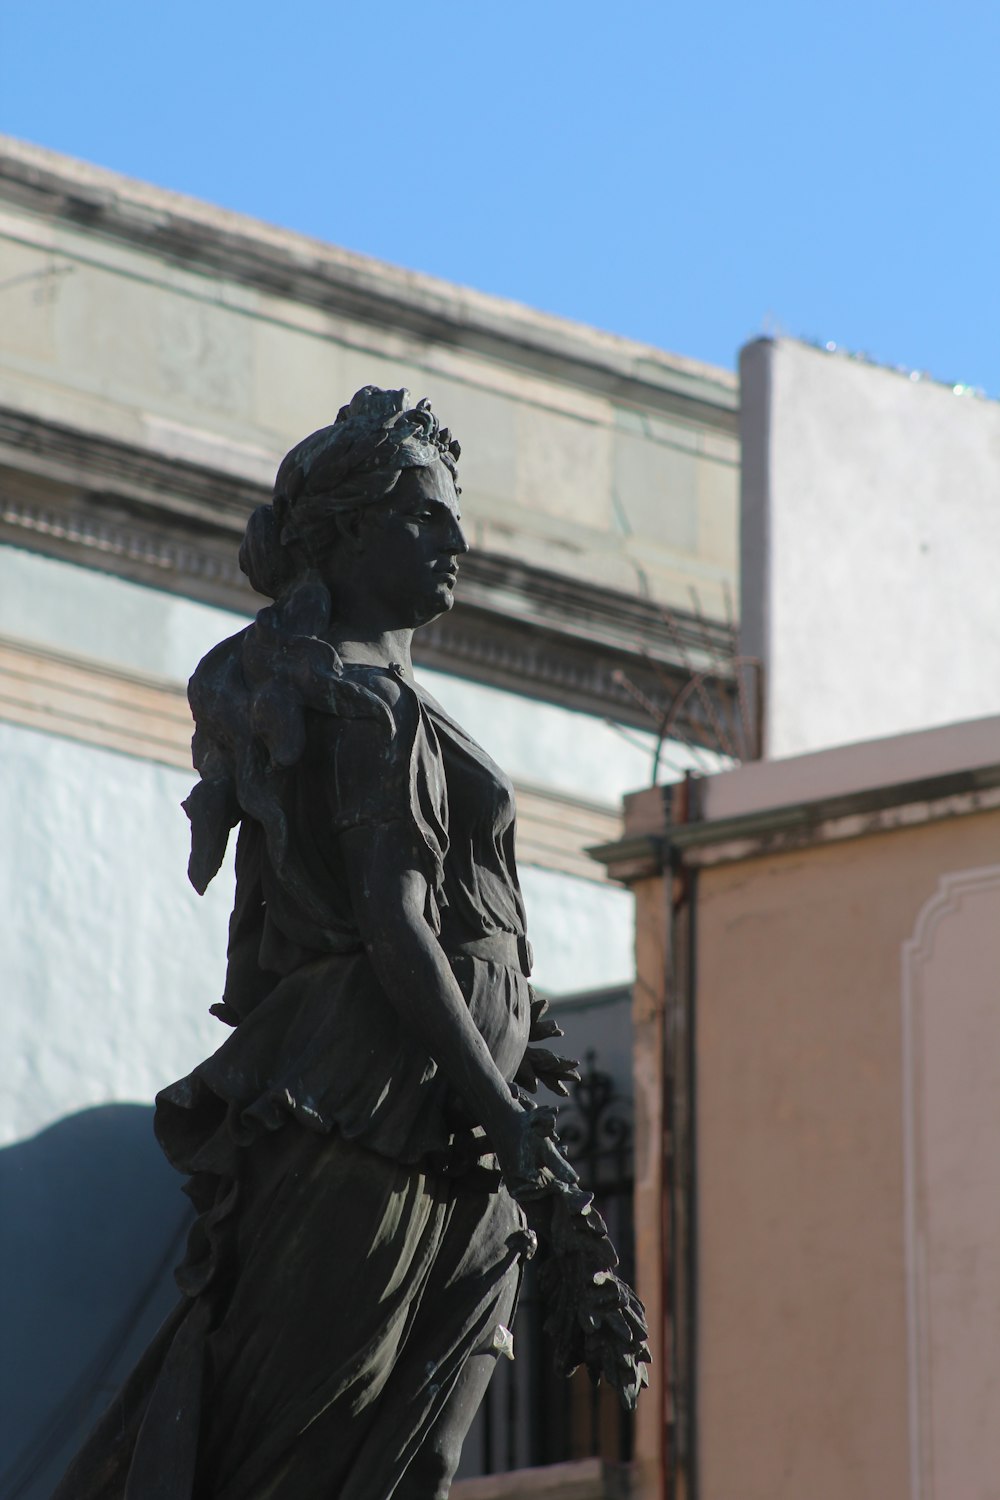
point(507, 948)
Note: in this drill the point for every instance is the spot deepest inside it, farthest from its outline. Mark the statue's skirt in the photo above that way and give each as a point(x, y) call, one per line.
point(349, 1296)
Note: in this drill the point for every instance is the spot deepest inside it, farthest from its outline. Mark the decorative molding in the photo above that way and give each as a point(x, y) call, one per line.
point(883, 810)
point(176, 526)
point(209, 240)
point(781, 830)
point(110, 708)
point(632, 858)
point(554, 831)
point(102, 466)
point(105, 536)
point(149, 718)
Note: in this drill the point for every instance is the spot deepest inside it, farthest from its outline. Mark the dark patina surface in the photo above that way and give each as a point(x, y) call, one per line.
point(368, 1168)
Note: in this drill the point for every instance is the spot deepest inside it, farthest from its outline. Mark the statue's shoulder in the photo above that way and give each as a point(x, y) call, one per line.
point(218, 673)
point(387, 683)
point(380, 699)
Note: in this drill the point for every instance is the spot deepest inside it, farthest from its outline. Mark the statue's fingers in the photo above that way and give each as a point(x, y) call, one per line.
point(543, 1120)
point(559, 1166)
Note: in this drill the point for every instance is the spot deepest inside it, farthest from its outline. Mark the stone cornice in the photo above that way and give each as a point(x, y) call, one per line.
point(177, 526)
point(878, 809)
point(203, 238)
point(647, 851)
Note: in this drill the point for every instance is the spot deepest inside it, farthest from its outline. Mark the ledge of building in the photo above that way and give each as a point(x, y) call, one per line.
point(878, 809)
point(216, 241)
point(763, 786)
point(584, 1479)
point(845, 792)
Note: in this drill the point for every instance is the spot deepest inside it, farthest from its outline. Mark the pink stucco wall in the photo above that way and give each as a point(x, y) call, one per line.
point(848, 1171)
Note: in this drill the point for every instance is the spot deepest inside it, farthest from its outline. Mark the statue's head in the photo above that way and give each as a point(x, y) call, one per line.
point(341, 477)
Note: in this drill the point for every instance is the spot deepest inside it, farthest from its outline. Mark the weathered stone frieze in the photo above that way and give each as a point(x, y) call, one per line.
point(176, 526)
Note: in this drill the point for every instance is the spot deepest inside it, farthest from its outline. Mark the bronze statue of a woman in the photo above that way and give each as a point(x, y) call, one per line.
point(367, 1168)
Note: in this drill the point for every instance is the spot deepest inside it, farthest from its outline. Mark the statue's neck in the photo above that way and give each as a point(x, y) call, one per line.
point(387, 648)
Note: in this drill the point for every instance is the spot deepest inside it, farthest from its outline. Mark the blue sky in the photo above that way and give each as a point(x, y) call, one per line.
point(689, 175)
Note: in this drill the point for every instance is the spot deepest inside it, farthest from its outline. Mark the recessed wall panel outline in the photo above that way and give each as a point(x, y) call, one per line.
point(951, 1123)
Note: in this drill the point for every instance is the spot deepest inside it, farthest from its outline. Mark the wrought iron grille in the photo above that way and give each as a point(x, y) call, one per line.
point(533, 1415)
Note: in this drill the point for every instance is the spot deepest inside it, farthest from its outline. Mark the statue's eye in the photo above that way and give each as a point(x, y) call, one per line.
point(422, 515)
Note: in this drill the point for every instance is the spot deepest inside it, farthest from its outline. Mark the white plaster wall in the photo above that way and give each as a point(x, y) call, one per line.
point(870, 550)
point(583, 935)
point(45, 602)
point(110, 959)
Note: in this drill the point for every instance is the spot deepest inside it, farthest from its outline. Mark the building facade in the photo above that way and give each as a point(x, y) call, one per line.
point(157, 358)
point(816, 1017)
point(817, 1069)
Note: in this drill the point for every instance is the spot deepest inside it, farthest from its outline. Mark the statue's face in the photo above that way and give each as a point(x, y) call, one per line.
point(410, 562)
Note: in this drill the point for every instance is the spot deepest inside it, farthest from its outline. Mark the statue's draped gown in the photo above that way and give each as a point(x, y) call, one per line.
point(354, 1246)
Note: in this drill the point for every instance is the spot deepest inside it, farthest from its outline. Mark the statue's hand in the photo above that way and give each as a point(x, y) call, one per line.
point(539, 1065)
point(592, 1316)
point(528, 1151)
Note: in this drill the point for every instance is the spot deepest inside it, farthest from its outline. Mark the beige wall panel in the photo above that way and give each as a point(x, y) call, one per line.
point(718, 482)
point(803, 1343)
point(302, 378)
point(564, 467)
point(30, 285)
point(951, 994)
point(125, 339)
point(203, 357)
point(485, 423)
point(656, 491)
point(135, 345)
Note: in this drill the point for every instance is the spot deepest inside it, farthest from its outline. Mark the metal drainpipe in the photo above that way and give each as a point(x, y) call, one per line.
point(691, 1310)
point(678, 1186)
point(668, 1423)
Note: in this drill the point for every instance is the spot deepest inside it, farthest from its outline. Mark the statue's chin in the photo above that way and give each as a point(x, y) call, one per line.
point(442, 602)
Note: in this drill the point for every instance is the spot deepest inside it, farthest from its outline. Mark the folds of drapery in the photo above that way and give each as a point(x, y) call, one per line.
point(283, 1382)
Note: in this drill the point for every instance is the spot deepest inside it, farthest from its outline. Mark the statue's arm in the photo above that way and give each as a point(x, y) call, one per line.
point(389, 895)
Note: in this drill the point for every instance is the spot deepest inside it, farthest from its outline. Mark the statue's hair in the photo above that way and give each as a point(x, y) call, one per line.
point(347, 466)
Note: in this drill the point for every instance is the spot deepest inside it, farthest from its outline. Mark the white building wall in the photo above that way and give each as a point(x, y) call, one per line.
point(870, 549)
point(112, 959)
